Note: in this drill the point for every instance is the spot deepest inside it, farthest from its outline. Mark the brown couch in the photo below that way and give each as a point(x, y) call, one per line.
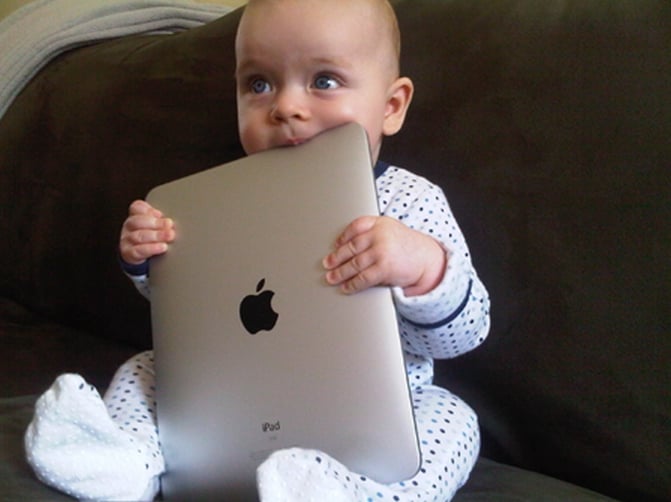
point(546, 122)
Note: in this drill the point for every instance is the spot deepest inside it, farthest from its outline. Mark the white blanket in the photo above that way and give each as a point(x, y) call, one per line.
point(38, 32)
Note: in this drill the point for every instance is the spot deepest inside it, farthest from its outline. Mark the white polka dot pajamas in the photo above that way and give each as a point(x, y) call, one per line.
point(445, 323)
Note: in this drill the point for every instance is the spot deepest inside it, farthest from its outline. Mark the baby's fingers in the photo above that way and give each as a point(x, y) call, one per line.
point(141, 222)
point(354, 240)
point(148, 236)
point(346, 270)
point(363, 279)
point(139, 242)
point(142, 207)
point(139, 253)
point(359, 226)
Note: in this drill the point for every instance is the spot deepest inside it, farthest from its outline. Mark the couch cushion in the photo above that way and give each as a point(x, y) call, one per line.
point(35, 351)
point(94, 131)
point(548, 125)
point(17, 481)
point(495, 482)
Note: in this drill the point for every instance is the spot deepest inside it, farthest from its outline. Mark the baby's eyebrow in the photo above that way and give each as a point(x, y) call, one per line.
point(339, 61)
point(247, 65)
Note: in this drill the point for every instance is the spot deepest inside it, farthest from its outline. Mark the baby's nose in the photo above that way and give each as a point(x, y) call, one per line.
point(290, 104)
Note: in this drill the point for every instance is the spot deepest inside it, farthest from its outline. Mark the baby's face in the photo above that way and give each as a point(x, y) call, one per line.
point(307, 66)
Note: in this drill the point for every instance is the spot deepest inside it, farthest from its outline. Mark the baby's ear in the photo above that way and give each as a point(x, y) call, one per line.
point(399, 97)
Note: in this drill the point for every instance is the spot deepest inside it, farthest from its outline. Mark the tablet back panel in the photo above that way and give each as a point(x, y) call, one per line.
point(253, 351)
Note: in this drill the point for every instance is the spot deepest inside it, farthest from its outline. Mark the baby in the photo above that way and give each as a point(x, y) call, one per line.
point(302, 67)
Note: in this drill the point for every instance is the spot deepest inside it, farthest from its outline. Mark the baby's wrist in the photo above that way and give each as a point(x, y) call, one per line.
point(430, 279)
point(425, 285)
point(133, 269)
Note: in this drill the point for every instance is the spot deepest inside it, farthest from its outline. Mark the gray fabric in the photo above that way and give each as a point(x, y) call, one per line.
point(38, 32)
point(17, 481)
point(493, 481)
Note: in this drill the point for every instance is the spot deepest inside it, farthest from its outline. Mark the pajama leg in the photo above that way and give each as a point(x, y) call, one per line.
point(449, 440)
point(89, 450)
point(130, 401)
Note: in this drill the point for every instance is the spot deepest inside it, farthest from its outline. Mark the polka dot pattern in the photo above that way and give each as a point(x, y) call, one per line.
point(446, 322)
point(454, 317)
point(449, 440)
point(130, 401)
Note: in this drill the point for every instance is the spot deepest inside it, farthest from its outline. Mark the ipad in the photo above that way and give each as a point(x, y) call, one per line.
point(254, 352)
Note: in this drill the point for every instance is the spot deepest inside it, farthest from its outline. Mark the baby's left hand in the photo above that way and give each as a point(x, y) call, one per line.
point(378, 250)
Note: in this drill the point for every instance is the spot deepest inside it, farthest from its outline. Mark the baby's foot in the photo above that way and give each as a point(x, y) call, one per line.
point(74, 446)
point(306, 475)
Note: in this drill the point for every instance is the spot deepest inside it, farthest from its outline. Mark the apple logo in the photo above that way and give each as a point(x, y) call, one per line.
point(256, 313)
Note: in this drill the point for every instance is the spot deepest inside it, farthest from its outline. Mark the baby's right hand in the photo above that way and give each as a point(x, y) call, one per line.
point(145, 233)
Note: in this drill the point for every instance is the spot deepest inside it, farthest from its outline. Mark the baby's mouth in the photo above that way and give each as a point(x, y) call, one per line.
point(295, 141)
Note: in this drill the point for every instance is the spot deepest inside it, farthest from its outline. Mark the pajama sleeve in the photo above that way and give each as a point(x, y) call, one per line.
point(453, 318)
point(139, 275)
point(141, 282)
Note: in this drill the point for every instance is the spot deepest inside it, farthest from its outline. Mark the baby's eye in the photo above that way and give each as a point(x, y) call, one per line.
point(323, 82)
point(259, 86)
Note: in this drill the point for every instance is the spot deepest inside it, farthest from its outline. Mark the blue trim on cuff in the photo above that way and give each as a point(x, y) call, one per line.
point(449, 318)
point(134, 270)
point(380, 168)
